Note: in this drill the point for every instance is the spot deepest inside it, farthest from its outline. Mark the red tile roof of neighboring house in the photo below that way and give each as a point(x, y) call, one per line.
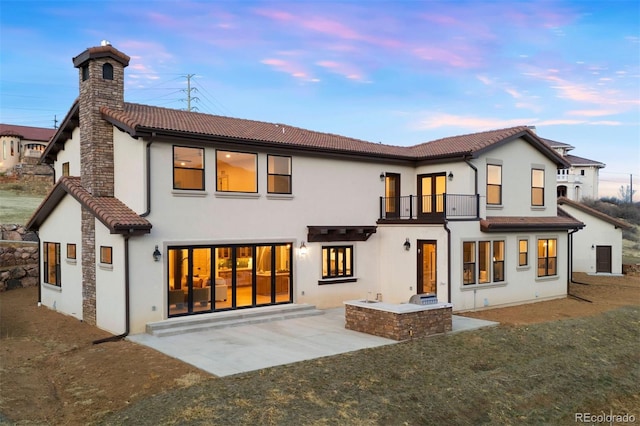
point(529, 223)
point(113, 213)
point(39, 134)
point(579, 161)
point(596, 213)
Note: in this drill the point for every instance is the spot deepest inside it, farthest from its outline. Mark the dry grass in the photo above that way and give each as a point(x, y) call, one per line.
point(537, 374)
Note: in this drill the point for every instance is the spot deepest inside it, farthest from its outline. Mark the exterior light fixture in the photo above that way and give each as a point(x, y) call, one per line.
point(407, 245)
point(303, 249)
point(450, 176)
point(156, 255)
point(593, 246)
point(382, 175)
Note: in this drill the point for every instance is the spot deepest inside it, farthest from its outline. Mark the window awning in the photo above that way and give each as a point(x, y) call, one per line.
point(339, 233)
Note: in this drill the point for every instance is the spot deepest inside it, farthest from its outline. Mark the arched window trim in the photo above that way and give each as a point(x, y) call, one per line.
point(107, 71)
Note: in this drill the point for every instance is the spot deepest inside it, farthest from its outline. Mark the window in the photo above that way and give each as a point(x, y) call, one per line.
point(51, 257)
point(547, 261)
point(106, 255)
point(65, 169)
point(494, 184)
point(484, 261)
point(278, 174)
point(71, 251)
point(498, 261)
point(85, 72)
point(337, 262)
point(537, 187)
point(469, 259)
point(188, 168)
point(236, 171)
point(107, 72)
point(582, 172)
point(523, 252)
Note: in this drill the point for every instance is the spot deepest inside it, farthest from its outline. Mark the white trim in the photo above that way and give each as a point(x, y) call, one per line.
point(249, 195)
point(280, 196)
point(189, 193)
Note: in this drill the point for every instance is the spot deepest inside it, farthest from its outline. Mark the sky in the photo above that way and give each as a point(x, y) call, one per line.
point(396, 72)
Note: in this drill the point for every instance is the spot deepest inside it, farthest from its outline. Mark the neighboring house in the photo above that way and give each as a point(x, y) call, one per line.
point(22, 144)
point(597, 248)
point(580, 180)
point(162, 213)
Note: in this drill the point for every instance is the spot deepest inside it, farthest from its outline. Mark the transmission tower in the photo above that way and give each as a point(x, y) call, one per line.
point(189, 91)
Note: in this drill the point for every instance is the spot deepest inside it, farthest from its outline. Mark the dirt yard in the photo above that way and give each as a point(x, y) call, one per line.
point(52, 373)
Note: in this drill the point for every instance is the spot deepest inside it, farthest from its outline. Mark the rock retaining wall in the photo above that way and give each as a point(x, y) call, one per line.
point(19, 258)
point(633, 270)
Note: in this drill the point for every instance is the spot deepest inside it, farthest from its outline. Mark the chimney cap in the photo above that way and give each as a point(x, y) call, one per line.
point(105, 43)
point(104, 51)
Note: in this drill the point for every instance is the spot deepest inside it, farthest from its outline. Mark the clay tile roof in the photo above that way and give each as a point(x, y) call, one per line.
point(40, 134)
point(596, 213)
point(144, 118)
point(541, 223)
point(466, 144)
point(113, 213)
point(579, 161)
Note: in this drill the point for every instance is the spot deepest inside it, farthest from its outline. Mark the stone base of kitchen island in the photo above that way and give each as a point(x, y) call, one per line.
point(397, 321)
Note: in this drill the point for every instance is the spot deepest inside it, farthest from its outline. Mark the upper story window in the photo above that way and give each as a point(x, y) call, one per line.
point(582, 172)
point(537, 187)
point(547, 260)
point(236, 171)
point(278, 174)
point(65, 169)
point(494, 184)
point(85, 72)
point(51, 259)
point(188, 168)
point(337, 261)
point(107, 72)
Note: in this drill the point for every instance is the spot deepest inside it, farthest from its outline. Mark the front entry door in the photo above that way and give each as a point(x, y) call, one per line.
point(431, 190)
point(427, 261)
point(603, 259)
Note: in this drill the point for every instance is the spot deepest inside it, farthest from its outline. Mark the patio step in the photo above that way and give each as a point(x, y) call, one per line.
point(201, 322)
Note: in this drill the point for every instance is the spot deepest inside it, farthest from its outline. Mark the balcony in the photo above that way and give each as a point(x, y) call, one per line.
point(429, 208)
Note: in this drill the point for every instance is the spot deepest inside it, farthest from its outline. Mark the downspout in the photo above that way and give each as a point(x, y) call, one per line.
point(39, 270)
point(570, 267)
point(148, 183)
point(446, 228)
point(475, 170)
point(126, 298)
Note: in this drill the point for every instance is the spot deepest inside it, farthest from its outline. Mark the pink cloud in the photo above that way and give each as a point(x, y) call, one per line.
point(289, 67)
point(347, 70)
point(434, 121)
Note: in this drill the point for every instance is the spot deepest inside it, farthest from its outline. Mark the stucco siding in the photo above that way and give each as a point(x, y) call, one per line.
point(596, 232)
point(63, 226)
point(110, 282)
point(70, 154)
point(129, 170)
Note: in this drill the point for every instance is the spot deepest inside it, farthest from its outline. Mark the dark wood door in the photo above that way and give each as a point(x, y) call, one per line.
point(603, 259)
point(427, 261)
point(431, 190)
point(392, 195)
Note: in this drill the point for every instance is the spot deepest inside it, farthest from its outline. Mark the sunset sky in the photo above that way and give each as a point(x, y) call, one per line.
point(396, 72)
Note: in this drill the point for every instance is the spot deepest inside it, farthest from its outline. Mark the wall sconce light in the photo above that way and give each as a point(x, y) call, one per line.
point(303, 249)
point(407, 245)
point(450, 176)
point(382, 176)
point(156, 255)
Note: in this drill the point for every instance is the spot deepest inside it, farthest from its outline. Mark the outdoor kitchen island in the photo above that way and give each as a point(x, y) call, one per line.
point(401, 321)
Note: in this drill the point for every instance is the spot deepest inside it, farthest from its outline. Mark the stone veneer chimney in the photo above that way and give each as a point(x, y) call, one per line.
point(101, 72)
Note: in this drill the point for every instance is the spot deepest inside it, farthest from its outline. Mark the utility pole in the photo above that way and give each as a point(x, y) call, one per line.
point(631, 188)
point(189, 90)
point(55, 121)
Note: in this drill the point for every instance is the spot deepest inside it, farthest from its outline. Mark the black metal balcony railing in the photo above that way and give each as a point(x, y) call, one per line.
point(430, 207)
